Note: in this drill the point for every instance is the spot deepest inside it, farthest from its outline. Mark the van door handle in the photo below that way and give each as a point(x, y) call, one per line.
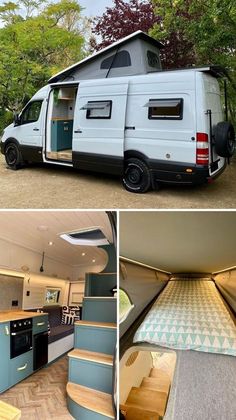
point(78, 131)
point(35, 129)
point(129, 128)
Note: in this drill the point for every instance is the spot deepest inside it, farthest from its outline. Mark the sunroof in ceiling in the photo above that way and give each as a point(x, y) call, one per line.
point(89, 237)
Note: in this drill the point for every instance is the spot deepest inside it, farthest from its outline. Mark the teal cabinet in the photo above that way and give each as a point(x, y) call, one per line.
point(61, 135)
point(5, 355)
point(21, 367)
point(40, 324)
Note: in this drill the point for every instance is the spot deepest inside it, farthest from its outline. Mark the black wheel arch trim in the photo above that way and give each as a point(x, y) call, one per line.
point(136, 154)
point(7, 141)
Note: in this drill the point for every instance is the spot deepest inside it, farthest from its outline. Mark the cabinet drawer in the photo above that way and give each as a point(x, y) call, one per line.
point(21, 367)
point(40, 324)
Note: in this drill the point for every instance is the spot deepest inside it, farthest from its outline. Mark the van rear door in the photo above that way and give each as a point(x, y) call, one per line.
point(98, 138)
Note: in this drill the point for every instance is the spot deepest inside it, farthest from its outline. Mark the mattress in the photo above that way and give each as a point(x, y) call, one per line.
point(190, 315)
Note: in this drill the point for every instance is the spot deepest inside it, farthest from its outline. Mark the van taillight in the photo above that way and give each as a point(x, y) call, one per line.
point(202, 156)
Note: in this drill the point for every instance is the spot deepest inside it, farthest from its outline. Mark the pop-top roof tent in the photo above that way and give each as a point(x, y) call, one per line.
point(135, 54)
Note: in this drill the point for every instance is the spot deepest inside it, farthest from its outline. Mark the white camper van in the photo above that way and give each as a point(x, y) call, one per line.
point(127, 118)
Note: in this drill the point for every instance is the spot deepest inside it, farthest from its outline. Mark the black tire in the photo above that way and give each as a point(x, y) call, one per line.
point(137, 177)
point(13, 156)
point(225, 139)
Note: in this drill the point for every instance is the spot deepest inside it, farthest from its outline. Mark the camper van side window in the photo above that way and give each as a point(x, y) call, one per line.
point(31, 113)
point(120, 59)
point(165, 109)
point(98, 109)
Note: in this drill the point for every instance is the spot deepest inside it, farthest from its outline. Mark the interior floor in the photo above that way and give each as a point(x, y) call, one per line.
point(60, 123)
point(43, 394)
point(64, 155)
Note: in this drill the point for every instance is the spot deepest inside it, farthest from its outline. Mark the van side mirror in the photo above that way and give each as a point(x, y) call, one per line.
point(17, 120)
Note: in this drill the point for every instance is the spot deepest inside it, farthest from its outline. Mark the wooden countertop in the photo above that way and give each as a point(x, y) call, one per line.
point(6, 316)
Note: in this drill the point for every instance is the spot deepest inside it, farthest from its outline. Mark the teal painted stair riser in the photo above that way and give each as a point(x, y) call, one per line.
point(100, 339)
point(80, 413)
point(99, 310)
point(98, 284)
point(90, 374)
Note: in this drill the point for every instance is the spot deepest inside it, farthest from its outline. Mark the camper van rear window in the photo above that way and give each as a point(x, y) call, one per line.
point(153, 60)
point(165, 109)
point(98, 109)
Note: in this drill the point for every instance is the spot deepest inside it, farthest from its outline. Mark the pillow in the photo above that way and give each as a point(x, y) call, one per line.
point(70, 314)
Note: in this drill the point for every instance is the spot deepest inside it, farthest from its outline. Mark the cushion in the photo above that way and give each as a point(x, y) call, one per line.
point(59, 332)
point(70, 314)
point(54, 314)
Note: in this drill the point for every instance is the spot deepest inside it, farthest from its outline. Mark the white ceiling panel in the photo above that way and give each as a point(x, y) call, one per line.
point(35, 229)
point(180, 241)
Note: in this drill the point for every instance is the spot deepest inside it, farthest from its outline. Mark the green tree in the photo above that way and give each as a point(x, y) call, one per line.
point(37, 40)
point(210, 28)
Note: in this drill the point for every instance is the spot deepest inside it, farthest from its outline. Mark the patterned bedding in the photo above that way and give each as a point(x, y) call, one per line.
point(190, 315)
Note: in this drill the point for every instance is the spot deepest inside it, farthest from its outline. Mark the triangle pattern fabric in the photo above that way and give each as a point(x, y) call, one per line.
point(190, 314)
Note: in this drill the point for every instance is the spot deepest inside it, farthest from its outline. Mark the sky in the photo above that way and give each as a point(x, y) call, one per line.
point(95, 7)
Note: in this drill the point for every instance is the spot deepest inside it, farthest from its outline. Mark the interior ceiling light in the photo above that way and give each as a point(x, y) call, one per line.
point(94, 261)
point(89, 237)
point(50, 243)
point(83, 254)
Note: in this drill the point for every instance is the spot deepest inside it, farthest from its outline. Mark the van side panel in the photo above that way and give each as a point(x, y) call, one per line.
point(165, 140)
point(98, 142)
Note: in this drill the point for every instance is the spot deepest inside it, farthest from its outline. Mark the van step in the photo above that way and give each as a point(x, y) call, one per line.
point(99, 309)
point(65, 155)
point(91, 369)
point(90, 399)
point(92, 356)
point(131, 413)
point(147, 399)
point(96, 324)
point(156, 384)
point(98, 337)
point(159, 374)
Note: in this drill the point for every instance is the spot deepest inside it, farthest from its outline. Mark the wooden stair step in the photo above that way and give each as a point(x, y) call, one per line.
point(92, 356)
point(160, 374)
point(147, 399)
point(132, 413)
point(156, 384)
point(91, 399)
point(96, 324)
point(8, 412)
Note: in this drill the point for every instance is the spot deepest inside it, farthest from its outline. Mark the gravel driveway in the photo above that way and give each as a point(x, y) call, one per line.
point(57, 187)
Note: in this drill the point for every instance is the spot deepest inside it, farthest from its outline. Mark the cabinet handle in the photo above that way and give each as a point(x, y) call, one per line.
point(39, 324)
point(7, 332)
point(22, 367)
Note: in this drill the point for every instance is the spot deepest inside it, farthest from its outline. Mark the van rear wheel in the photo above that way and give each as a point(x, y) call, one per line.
point(137, 177)
point(225, 139)
point(13, 156)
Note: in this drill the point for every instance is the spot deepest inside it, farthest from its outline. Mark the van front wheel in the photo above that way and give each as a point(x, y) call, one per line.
point(13, 156)
point(137, 177)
